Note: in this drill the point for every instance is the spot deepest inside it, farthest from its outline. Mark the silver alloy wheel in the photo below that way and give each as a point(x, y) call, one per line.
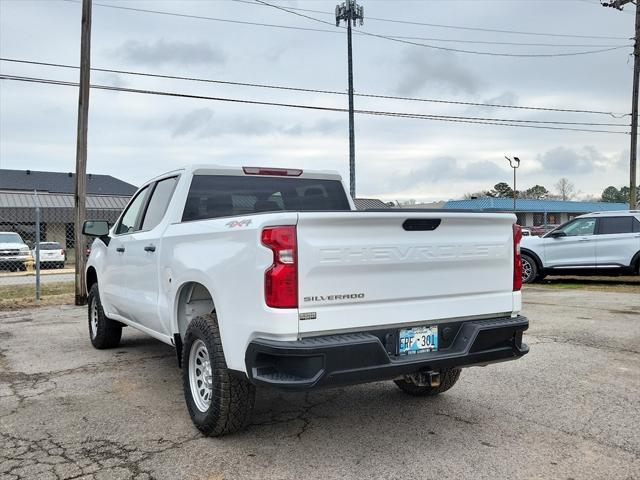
point(200, 377)
point(527, 270)
point(94, 318)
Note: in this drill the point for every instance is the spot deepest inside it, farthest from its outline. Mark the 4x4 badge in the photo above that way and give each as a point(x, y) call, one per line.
point(239, 223)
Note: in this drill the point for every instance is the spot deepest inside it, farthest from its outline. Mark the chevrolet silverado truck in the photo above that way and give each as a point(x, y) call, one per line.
point(269, 277)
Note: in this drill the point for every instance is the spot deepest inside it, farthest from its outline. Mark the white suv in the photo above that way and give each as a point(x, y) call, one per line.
point(602, 243)
point(14, 253)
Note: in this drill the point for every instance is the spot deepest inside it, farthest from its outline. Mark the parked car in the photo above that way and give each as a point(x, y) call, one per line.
point(265, 276)
point(51, 255)
point(14, 253)
point(526, 232)
point(602, 243)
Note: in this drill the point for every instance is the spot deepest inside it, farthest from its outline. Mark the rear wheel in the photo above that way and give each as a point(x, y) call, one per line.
point(418, 387)
point(219, 401)
point(103, 332)
point(529, 269)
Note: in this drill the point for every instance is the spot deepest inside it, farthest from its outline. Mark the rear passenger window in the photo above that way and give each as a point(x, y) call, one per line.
point(159, 201)
point(613, 225)
point(636, 225)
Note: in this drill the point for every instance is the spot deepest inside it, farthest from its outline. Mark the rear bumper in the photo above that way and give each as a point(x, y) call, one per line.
point(371, 356)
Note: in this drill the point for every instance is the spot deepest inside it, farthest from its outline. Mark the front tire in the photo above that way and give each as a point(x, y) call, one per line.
point(448, 378)
point(529, 269)
point(219, 401)
point(103, 332)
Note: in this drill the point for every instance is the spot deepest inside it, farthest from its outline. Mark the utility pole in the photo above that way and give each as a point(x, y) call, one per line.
point(515, 163)
point(81, 152)
point(350, 12)
point(633, 185)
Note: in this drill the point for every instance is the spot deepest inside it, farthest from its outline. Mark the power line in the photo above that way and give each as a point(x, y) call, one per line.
point(405, 40)
point(458, 27)
point(311, 90)
point(443, 118)
point(448, 49)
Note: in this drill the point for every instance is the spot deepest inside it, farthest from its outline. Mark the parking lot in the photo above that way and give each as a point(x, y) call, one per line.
point(570, 409)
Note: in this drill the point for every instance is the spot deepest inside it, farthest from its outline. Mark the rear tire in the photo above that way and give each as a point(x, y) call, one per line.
point(529, 269)
point(219, 401)
point(103, 332)
point(448, 378)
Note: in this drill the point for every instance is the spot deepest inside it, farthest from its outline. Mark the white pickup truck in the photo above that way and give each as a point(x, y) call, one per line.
point(265, 276)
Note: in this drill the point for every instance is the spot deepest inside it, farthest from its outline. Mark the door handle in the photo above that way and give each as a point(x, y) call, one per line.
point(583, 240)
point(120, 249)
point(150, 248)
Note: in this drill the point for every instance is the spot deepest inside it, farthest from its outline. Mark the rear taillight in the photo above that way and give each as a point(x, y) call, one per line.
point(281, 279)
point(517, 259)
point(62, 252)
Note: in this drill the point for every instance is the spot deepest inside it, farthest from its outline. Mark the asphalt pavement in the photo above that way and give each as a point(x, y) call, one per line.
point(568, 410)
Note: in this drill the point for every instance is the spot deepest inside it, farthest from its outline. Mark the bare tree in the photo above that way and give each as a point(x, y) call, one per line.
point(566, 190)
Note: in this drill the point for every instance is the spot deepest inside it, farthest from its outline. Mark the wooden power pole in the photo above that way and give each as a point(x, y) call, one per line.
point(633, 186)
point(633, 157)
point(81, 152)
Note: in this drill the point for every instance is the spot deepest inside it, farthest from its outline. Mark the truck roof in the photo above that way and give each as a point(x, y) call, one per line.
point(213, 169)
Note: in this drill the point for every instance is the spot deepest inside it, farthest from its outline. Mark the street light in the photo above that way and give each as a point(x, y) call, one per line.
point(515, 163)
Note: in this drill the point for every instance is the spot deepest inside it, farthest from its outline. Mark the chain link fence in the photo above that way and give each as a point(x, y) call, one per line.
point(37, 243)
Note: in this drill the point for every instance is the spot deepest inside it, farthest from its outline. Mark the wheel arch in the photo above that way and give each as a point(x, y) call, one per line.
point(635, 263)
point(534, 255)
point(192, 299)
point(92, 277)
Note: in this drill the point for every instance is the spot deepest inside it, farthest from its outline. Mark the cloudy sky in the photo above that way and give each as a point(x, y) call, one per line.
point(134, 136)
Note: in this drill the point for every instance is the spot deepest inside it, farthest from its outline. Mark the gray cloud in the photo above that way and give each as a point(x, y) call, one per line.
point(203, 123)
point(565, 160)
point(506, 98)
point(192, 122)
point(623, 160)
point(448, 168)
point(440, 70)
point(173, 52)
point(323, 127)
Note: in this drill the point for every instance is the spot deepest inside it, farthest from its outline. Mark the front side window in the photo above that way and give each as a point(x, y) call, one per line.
point(159, 202)
point(579, 227)
point(129, 221)
point(615, 225)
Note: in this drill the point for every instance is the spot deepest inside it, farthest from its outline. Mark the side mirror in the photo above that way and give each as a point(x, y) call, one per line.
point(95, 228)
point(557, 234)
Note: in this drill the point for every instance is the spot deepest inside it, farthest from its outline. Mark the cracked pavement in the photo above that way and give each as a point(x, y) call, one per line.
point(568, 410)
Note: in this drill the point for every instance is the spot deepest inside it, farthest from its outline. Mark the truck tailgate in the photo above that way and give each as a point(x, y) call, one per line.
point(361, 270)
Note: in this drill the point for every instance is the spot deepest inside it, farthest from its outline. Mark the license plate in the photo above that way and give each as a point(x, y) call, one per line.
point(418, 339)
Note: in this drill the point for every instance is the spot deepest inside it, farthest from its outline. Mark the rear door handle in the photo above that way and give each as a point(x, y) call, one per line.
point(583, 240)
point(150, 248)
point(120, 249)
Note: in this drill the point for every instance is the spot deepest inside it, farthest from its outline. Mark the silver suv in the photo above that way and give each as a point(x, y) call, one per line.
point(601, 243)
